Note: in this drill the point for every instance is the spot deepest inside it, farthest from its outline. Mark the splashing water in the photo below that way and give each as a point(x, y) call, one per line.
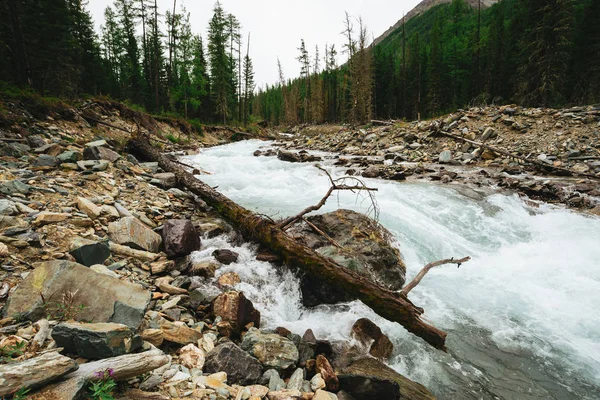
point(522, 316)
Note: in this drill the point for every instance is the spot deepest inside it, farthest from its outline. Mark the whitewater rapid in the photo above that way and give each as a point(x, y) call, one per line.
point(523, 316)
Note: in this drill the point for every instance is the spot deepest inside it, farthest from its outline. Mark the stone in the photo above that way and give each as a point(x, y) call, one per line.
point(225, 256)
point(105, 299)
point(191, 357)
point(229, 279)
point(88, 252)
point(151, 382)
point(488, 133)
point(272, 350)
point(96, 341)
point(166, 180)
point(285, 395)
point(581, 168)
point(445, 157)
point(10, 188)
point(34, 372)
point(153, 336)
point(241, 368)
point(150, 167)
point(87, 207)
point(69, 157)
point(202, 296)
point(317, 382)
point(97, 143)
point(324, 395)
point(296, 380)
point(370, 335)
point(111, 213)
point(178, 332)
point(368, 378)
point(367, 250)
point(324, 368)
point(8, 207)
point(100, 153)
point(372, 171)
point(288, 156)
point(236, 309)
point(46, 218)
point(130, 231)
point(46, 161)
point(257, 391)
point(180, 238)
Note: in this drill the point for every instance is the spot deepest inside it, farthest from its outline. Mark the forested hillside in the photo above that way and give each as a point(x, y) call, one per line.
point(532, 52)
point(142, 57)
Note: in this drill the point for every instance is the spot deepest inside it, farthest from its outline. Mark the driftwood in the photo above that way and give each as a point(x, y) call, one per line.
point(336, 184)
point(515, 156)
point(417, 279)
point(129, 252)
point(13, 140)
point(386, 303)
point(385, 123)
point(34, 372)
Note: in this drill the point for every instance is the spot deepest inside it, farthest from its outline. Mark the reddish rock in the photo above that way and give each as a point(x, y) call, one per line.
point(180, 237)
point(324, 368)
point(236, 309)
point(369, 334)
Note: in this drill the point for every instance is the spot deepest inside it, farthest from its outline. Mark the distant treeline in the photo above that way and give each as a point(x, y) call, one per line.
point(532, 52)
point(141, 56)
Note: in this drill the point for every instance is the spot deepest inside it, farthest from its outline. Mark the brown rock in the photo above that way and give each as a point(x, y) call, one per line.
point(130, 231)
point(45, 218)
point(153, 336)
point(180, 237)
point(369, 334)
point(324, 368)
point(229, 279)
point(88, 207)
point(180, 333)
point(191, 357)
point(235, 308)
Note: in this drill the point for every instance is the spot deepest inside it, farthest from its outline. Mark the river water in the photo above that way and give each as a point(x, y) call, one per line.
point(523, 317)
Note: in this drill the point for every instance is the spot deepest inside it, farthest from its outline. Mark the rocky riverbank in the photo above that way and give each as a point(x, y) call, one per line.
point(566, 139)
point(99, 282)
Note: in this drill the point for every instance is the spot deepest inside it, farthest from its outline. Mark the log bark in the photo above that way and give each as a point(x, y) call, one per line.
point(34, 372)
point(388, 304)
point(124, 367)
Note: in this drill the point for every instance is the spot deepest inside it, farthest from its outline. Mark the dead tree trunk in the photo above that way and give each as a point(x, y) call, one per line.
point(388, 304)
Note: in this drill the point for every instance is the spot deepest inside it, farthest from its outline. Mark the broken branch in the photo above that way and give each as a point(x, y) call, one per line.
point(417, 279)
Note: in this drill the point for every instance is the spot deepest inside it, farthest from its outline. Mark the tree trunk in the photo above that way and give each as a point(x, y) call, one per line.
point(388, 304)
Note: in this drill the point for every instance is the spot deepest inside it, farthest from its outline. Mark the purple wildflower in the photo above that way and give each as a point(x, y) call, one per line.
point(111, 372)
point(99, 374)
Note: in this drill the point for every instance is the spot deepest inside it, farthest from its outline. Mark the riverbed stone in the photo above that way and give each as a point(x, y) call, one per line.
point(89, 252)
point(180, 237)
point(225, 256)
point(130, 231)
point(272, 350)
point(241, 368)
point(236, 309)
point(366, 249)
point(365, 331)
point(445, 157)
point(96, 341)
point(100, 153)
point(104, 299)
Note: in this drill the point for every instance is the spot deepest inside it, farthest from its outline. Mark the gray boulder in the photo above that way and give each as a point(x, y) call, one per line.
point(366, 250)
point(241, 368)
point(88, 252)
point(96, 341)
point(180, 237)
point(165, 180)
point(104, 299)
point(100, 153)
point(272, 350)
point(130, 231)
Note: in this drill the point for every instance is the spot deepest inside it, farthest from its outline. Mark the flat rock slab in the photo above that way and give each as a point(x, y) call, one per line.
point(130, 231)
point(35, 372)
point(105, 299)
point(124, 367)
point(96, 341)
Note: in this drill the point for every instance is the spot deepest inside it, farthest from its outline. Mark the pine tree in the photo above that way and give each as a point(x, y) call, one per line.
point(220, 66)
point(248, 84)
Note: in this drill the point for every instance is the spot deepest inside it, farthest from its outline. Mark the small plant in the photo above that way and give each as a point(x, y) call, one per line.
point(8, 352)
point(21, 394)
point(64, 310)
point(172, 138)
point(104, 386)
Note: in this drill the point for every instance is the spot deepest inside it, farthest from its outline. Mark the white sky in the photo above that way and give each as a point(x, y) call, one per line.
point(277, 26)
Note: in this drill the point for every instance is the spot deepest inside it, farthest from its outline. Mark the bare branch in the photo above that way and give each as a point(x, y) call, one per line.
point(336, 184)
point(417, 279)
point(320, 232)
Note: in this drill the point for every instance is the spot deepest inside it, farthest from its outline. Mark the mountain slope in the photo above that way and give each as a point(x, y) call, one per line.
point(425, 5)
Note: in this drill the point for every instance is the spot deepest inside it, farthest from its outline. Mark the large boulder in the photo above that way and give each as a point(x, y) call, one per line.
point(366, 250)
point(103, 298)
point(367, 379)
point(272, 350)
point(96, 341)
point(130, 231)
point(180, 238)
point(235, 308)
point(241, 368)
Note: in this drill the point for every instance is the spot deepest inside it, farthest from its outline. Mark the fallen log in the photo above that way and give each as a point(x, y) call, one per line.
point(386, 303)
point(34, 372)
point(129, 252)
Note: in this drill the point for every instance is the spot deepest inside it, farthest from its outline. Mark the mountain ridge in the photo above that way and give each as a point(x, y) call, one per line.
point(423, 7)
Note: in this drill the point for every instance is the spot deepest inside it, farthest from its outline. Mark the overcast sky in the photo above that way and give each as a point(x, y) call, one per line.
point(277, 26)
